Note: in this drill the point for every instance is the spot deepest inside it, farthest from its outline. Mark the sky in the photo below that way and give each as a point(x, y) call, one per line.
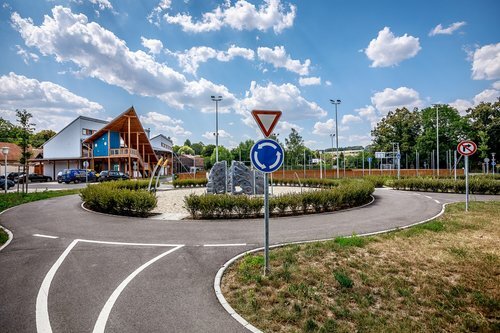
point(62, 59)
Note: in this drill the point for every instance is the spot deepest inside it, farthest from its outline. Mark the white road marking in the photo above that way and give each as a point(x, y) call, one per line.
point(100, 324)
point(437, 201)
point(428, 197)
point(42, 305)
point(45, 236)
point(217, 245)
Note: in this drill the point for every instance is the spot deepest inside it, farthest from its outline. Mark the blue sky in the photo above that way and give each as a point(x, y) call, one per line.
point(62, 59)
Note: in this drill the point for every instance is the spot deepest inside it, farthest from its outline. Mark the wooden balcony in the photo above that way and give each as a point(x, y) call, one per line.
point(123, 152)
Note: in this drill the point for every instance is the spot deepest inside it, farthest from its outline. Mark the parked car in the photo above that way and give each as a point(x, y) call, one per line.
point(14, 176)
point(108, 175)
point(77, 176)
point(35, 177)
point(10, 183)
point(60, 176)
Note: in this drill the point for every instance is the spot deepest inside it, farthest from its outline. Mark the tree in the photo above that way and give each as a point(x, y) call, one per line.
point(198, 148)
point(176, 148)
point(185, 150)
point(38, 139)
point(294, 147)
point(452, 129)
point(401, 126)
point(25, 131)
point(242, 150)
point(8, 131)
point(485, 118)
point(224, 155)
point(208, 150)
point(187, 143)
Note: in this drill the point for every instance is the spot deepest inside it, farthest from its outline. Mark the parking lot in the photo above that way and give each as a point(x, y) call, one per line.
point(48, 186)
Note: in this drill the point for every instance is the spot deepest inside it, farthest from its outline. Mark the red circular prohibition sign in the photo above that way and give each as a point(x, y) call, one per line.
point(467, 148)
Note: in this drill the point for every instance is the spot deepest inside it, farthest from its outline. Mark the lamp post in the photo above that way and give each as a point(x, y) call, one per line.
point(216, 99)
point(437, 137)
point(332, 136)
point(5, 151)
point(336, 102)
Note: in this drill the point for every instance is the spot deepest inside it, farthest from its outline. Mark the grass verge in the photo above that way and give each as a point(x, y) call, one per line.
point(14, 199)
point(439, 276)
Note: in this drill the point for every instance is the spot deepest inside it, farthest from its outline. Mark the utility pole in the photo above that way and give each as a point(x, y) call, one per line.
point(336, 102)
point(216, 100)
point(437, 138)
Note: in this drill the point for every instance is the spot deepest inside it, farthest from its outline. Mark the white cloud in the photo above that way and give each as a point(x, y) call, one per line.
point(240, 16)
point(285, 97)
point(487, 96)
point(280, 59)
point(496, 85)
point(190, 59)
point(211, 135)
point(486, 62)
point(391, 99)
point(369, 113)
point(461, 105)
point(328, 83)
point(324, 128)
point(439, 30)
point(387, 50)
point(153, 45)
point(100, 54)
point(349, 118)
point(52, 105)
point(361, 140)
point(103, 4)
point(164, 124)
point(310, 81)
point(26, 55)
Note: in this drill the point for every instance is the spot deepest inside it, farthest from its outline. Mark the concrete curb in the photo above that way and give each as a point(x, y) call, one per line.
point(218, 277)
point(11, 235)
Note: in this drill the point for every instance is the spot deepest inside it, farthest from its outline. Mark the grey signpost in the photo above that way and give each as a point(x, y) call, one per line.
point(493, 163)
point(486, 165)
point(86, 165)
point(267, 156)
point(466, 148)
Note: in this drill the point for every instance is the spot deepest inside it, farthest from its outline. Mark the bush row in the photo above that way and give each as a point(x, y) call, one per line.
point(347, 194)
point(120, 200)
point(308, 182)
point(190, 182)
point(477, 185)
point(132, 185)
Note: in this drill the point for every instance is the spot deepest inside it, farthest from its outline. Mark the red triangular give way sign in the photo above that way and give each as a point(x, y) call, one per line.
point(266, 120)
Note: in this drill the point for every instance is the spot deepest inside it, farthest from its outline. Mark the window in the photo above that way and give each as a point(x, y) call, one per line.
point(86, 131)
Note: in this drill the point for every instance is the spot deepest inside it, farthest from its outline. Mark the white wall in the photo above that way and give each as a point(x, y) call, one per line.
point(67, 143)
point(158, 140)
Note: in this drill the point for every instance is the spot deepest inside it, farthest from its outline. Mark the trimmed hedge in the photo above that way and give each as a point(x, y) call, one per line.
point(308, 182)
point(190, 182)
point(346, 194)
point(477, 185)
point(121, 198)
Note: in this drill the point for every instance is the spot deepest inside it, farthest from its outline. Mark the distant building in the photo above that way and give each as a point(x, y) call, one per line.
point(13, 157)
point(162, 146)
point(65, 150)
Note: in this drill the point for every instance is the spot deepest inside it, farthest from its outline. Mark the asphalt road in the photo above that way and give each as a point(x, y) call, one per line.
point(48, 186)
point(69, 270)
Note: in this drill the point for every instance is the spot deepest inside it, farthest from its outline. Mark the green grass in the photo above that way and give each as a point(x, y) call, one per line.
point(14, 199)
point(441, 276)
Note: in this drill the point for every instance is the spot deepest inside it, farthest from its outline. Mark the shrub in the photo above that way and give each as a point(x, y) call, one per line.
point(477, 185)
point(190, 182)
point(346, 194)
point(121, 198)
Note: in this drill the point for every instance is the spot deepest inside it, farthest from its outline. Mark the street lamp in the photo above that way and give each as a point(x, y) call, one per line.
point(216, 99)
point(5, 152)
point(332, 136)
point(437, 137)
point(336, 102)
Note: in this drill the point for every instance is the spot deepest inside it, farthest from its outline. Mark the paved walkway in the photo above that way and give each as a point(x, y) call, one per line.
point(68, 270)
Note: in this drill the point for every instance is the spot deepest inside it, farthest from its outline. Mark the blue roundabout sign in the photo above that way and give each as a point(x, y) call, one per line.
point(267, 155)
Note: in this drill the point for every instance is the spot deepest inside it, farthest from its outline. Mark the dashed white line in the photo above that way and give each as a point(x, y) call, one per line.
point(428, 197)
point(45, 236)
point(437, 201)
point(222, 245)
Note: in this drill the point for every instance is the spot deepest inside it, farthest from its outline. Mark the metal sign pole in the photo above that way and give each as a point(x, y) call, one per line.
point(266, 224)
point(455, 164)
point(466, 183)
point(363, 162)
